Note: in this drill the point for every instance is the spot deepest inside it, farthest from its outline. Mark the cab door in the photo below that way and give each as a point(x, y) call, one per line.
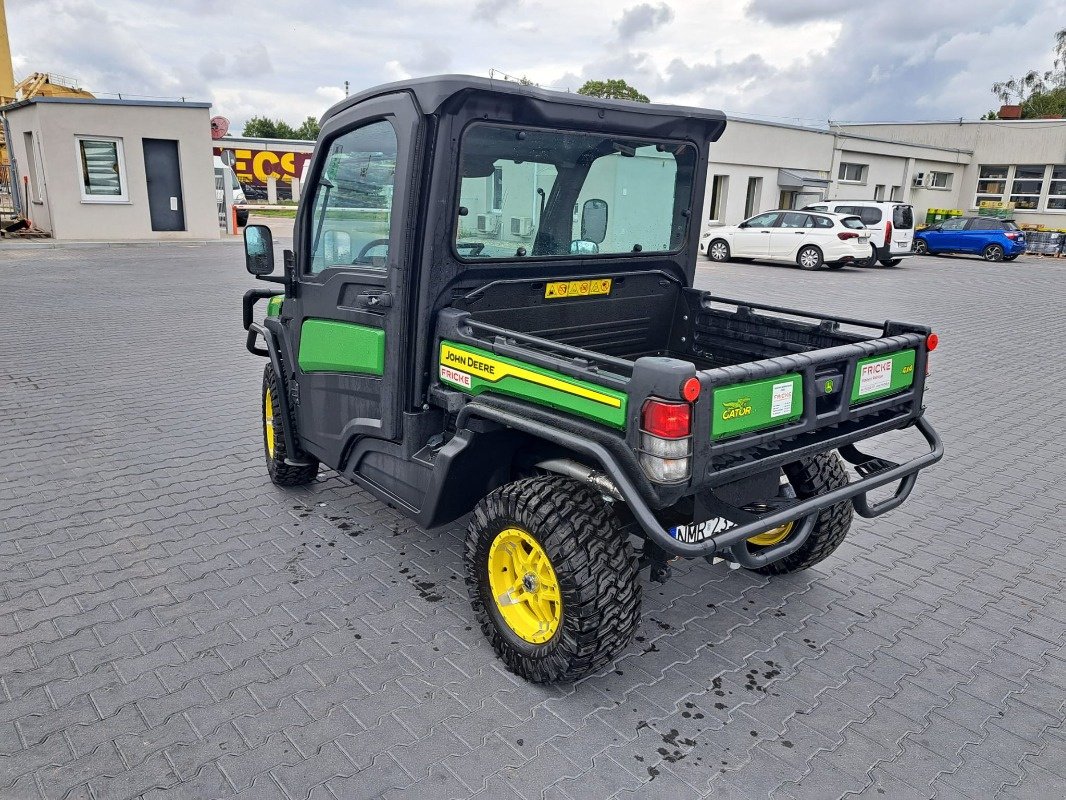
point(352, 256)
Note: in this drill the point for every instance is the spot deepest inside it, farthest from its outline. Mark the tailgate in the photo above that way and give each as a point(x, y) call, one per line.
point(771, 411)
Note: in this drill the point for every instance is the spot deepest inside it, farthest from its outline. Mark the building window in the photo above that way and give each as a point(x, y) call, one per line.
point(1056, 193)
point(940, 180)
point(991, 184)
point(852, 173)
point(719, 184)
point(497, 190)
point(897, 194)
point(103, 170)
point(879, 192)
point(1027, 185)
point(751, 201)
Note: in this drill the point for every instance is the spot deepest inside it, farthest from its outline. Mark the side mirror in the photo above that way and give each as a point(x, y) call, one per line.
point(584, 247)
point(258, 250)
point(594, 221)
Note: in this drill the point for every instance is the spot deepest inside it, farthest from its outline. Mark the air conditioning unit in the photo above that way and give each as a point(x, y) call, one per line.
point(919, 179)
point(521, 226)
point(488, 223)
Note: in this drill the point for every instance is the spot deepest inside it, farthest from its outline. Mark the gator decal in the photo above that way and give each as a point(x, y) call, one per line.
point(878, 376)
point(331, 346)
point(586, 288)
point(475, 371)
point(274, 305)
point(746, 407)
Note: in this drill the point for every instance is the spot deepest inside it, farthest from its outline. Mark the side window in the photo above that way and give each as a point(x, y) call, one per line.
point(870, 216)
point(352, 211)
point(794, 220)
point(823, 222)
point(763, 220)
point(955, 224)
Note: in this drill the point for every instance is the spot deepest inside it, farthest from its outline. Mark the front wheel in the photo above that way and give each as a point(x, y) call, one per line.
point(993, 252)
point(718, 251)
point(552, 578)
point(281, 473)
point(809, 477)
point(920, 247)
point(809, 257)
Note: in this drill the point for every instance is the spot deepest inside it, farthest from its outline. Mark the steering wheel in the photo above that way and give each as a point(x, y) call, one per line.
point(474, 247)
point(370, 246)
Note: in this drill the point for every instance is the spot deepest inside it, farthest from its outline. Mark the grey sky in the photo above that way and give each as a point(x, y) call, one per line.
point(808, 61)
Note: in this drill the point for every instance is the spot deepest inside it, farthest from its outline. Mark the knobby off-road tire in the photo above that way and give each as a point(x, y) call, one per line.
point(281, 474)
point(598, 595)
point(812, 476)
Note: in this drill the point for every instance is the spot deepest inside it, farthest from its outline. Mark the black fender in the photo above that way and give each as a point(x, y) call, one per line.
point(272, 351)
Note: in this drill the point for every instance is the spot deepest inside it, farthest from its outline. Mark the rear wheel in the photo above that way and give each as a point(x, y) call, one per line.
point(920, 247)
point(809, 257)
point(281, 473)
point(867, 262)
point(993, 252)
point(718, 251)
point(890, 262)
point(809, 477)
point(552, 578)
point(839, 264)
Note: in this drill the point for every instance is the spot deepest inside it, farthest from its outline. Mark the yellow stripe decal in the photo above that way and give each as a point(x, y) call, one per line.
point(490, 369)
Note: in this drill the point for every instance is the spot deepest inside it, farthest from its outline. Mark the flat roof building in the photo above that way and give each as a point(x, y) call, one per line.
point(112, 170)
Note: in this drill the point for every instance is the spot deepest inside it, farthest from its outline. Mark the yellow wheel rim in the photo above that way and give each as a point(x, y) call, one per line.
point(524, 586)
point(268, 421)
point(772, 536)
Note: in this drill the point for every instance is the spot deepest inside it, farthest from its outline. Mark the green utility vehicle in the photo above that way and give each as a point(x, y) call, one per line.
point(488, 308)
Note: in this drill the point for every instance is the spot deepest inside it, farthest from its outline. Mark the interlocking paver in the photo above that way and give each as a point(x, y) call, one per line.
point(171, 625)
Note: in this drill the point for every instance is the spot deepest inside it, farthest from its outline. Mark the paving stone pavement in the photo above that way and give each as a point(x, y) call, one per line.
point(172, 625)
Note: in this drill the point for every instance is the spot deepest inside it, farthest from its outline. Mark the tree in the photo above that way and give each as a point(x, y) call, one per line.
point(1040, 94)
point(308, 129)
point(614, 89)
point(266, 128)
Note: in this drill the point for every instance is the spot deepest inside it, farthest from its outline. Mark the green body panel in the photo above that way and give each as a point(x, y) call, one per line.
point(331, 346)
point(475, 371)
point(750, 406)
point(274, 305)
point(879, 378)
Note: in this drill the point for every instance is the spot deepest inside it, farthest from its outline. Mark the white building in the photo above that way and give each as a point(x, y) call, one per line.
point(93, 169)
point(758, 166)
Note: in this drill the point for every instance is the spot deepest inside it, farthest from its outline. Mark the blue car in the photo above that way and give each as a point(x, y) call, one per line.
point(992, 239)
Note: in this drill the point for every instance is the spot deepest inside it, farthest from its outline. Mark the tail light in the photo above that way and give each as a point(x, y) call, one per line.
point(666, 440)
point(1013, 235)
point(888, 233)
point(845, 235)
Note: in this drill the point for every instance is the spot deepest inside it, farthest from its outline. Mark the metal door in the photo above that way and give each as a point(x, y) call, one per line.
point(163, 173)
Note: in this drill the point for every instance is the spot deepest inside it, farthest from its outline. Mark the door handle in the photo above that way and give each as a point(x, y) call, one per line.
point(800, 233)
point(378, 300)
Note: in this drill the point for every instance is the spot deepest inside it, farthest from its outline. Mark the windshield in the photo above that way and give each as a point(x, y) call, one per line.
point(541, 193)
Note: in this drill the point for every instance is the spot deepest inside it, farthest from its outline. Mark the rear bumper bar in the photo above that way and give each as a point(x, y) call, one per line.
point(732, 542)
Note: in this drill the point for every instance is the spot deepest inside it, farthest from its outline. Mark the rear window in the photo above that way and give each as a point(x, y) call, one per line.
point(1010, 226)
point(903, 218)
point(852, 222)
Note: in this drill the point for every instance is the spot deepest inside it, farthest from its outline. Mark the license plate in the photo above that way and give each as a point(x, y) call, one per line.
point(700, 531)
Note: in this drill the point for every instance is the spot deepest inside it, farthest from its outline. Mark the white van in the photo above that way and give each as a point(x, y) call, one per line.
point(225, 172)
point(891, 225)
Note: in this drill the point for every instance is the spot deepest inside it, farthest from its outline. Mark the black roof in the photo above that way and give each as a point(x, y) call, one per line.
point(432, 92)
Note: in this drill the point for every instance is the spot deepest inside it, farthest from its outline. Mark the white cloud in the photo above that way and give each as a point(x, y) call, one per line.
point(815, 60)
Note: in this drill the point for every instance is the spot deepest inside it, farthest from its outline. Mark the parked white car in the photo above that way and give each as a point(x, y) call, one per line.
point(223, 172)
point(811, 240)
point(891, 227)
